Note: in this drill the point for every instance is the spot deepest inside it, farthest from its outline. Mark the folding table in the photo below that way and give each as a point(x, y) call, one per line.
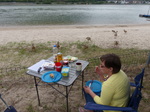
point(67, 82)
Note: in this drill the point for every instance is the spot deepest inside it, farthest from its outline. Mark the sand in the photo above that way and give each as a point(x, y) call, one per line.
point(21, 91)
point(137, 36)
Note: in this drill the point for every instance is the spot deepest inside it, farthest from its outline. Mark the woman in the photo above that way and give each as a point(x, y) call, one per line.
point(115, 83)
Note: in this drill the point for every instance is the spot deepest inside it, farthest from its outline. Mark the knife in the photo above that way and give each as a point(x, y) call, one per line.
point(90, 84)
point(39, 70)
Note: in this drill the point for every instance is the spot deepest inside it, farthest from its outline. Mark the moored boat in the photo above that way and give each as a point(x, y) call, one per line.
point(144, 15)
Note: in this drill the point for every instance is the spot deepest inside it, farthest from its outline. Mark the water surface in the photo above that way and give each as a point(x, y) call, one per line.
point(72, 15)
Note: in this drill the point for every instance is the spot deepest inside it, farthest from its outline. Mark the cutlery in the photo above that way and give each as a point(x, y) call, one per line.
point(90, 83)
point(39, 70)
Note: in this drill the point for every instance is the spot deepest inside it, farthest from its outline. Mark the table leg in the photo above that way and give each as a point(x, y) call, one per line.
point(67, 98)
point(37, 90)
point(82, 82)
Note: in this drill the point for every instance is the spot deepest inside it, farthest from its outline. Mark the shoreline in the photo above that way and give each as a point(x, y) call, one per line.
point(99, 25)
point(137, 36)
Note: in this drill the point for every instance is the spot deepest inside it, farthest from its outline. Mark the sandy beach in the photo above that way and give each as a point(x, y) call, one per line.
point(19, 90)
point(136, 36)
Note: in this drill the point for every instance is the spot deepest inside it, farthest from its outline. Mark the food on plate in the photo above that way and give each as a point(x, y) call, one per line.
point(74, 58)
point(51, 75)
point(70, 58)
point(49, 65)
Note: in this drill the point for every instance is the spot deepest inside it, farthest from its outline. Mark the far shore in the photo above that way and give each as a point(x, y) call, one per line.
point(128, 36)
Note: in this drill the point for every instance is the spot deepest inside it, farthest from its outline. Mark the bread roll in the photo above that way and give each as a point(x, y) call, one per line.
point(51, 75)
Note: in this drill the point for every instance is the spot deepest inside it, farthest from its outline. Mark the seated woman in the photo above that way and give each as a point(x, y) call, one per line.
point(115, 87)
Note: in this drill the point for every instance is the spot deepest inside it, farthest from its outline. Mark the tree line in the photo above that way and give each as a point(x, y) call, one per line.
point(59, 1)
point(69, 1)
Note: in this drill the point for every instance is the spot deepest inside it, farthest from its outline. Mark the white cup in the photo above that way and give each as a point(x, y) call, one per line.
point(78, 66)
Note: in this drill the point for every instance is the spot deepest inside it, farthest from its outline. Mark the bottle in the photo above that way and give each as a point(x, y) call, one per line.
point(59, 57)
point(55, 50)
point(55, 59)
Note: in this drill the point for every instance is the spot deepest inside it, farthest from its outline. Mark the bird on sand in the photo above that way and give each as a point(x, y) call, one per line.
point(85, 46)
point(114, 31)
point(58, 45)
point(88, 38)
point(125, 31)
point(33, 48)
point(116, 43)
point(115, 34)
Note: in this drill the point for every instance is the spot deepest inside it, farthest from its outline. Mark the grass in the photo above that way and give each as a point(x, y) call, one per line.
point(16, 57)
point(30, 108)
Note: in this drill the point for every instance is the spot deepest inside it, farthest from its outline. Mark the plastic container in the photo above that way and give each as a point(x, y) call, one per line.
point(95, 86)
point(65, 71)
point(55, 50)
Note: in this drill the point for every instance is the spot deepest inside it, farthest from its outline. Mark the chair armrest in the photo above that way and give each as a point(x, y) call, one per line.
point(132, 84)
point(94, 106)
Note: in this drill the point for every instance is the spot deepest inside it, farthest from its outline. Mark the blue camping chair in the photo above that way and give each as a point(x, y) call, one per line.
point(9, 108)
point(138, 79)
point(132, 105)
point(134, 101)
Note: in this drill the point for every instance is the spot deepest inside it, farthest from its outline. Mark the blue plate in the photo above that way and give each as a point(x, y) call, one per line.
point(46, 77)
point(95, 85)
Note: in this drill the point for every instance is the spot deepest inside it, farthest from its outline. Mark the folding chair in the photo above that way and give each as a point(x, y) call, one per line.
point(132, 105)
point(134, 101)
point(138, 79)
point(9, 108)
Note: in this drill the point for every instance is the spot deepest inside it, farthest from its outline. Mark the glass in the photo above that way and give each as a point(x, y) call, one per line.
point(58, 66)
point(78, 66)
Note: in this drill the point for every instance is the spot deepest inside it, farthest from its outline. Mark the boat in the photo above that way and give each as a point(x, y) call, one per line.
point(145, 15)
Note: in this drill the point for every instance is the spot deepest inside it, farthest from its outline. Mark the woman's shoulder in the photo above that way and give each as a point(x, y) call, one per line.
point(115, 78)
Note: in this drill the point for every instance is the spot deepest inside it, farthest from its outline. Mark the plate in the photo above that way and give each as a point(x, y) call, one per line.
point(46, 77)
point(70, 58)
point(95, 85)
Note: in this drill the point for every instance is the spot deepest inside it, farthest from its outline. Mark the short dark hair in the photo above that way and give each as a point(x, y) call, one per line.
point(112, 60)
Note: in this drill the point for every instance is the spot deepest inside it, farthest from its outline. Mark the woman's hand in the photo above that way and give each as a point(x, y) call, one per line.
point(87, 89)
point(99, 72)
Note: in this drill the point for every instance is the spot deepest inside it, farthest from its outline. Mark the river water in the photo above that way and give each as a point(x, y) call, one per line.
point(16, 15)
